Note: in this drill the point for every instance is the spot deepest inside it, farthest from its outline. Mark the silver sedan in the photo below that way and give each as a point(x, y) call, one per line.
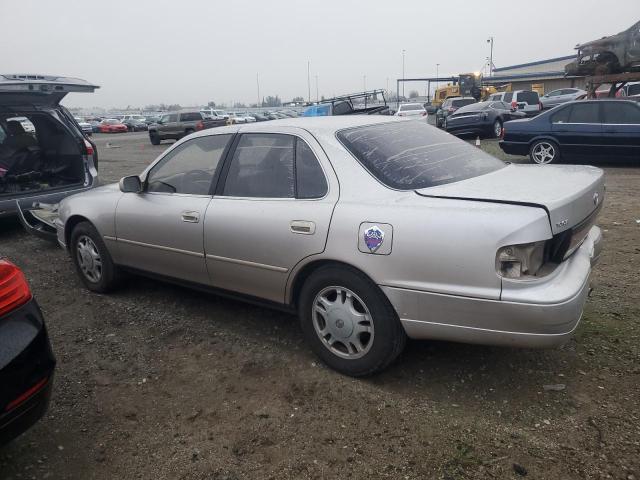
point(373, 229)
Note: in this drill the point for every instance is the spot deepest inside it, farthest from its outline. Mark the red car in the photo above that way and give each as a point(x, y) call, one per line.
point(111, 125)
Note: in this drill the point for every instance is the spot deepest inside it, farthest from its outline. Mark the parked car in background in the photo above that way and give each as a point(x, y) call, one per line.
point(95, 125)
point(128, 118)
point(449, 106)
point(483, 118)
point(214, 113)
point(52, 161)
point(236, 118)
point(152, 119)
point(608, 128)
point(613, 54)
point(136, 125)
point(248, 117)
point(526, 100)
point(112, 125)
point(376, 209)
point(557, 97)
point(86, 127)
point(632, 90)
point(259, 117)
point(26, 361)
point(411, 110)
point(176, 125)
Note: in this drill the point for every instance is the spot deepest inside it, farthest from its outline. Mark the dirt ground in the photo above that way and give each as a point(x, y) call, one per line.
point(156, 381)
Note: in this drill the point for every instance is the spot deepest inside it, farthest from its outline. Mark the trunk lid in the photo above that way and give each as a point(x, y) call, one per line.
point(569, 193)
point(39, 90)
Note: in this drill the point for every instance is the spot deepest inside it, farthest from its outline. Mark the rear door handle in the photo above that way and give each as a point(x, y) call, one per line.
point(303, 227)
point(190, 216)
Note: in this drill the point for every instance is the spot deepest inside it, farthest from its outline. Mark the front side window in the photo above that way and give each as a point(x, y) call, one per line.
point(584, 113)
point(262, 167)
point(189, 168)
point(414, 155)
point(621, 113)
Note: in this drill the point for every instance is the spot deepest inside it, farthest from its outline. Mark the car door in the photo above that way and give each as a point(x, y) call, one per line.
point(578, 128)
point(621, 128)
point(271, 211)
point(160, 230)
point(169, 125)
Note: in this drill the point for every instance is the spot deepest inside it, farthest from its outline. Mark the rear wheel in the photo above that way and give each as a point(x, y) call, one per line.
point(497, 128)
point(188, 131)
point(544, 152)
point(348, 322)
point(92, 259)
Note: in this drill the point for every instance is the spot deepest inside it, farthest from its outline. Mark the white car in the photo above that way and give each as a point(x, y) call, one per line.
point(526, 101)
point(411, 110)
point(248, 118)
point(562, 95)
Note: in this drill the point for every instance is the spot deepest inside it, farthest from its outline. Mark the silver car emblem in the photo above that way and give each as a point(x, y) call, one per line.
point(373, 238)
point(596, 199)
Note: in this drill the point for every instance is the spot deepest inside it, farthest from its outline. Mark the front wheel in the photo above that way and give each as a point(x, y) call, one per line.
point(348, 322)
point(544, 152)
point(92, 259)
point(154, 138)
point(497, 128)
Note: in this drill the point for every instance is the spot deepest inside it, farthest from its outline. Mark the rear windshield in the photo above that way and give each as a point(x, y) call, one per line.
point(411, 107)
point(474, 107)
point(461, 102)
point(414, 155)
point(530, 97)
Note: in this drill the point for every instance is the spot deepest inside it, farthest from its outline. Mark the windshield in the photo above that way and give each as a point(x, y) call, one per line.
point(461, 102)
point(413, 106)
point(414, 155)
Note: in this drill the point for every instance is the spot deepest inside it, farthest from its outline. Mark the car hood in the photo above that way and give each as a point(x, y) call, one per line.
point(39, 90)
point(569, 193)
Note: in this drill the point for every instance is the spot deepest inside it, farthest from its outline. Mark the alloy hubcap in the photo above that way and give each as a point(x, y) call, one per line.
point(342, 322)
point(543, 152)
point(497, 128)
point(89, 259)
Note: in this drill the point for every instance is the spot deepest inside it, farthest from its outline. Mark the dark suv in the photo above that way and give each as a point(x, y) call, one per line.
point(449, 106)
point(44, 156)
point(176, 125)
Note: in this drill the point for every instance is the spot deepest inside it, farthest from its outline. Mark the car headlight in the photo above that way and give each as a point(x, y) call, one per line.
point(517, 261)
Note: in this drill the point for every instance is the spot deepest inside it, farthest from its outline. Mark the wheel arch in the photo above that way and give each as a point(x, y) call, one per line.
point(305, 271)
point(70, 224)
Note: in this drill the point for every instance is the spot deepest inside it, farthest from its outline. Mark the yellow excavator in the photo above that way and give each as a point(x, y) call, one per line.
point(467, 85)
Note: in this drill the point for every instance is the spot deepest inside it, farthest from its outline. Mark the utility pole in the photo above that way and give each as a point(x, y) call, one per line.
point(317, 96)
point(403, 72)
point(309, 80)
point(258, 84)
point(364, 83)
point(490, 41)
point(437, 76)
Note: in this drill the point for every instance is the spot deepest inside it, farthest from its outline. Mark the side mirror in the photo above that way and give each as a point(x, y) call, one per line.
point(131, 184)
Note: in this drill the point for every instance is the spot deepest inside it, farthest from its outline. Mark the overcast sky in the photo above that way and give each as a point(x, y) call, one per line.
point(192, 51)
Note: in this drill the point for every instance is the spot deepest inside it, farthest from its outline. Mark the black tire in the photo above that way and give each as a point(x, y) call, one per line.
point(537, 148)
point(496, 130)
point(188, 131)
point(110, 275)
point(388, 338)
point(154, 138)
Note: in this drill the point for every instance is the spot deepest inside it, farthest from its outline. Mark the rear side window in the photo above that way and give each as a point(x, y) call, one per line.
point(529, 97)
point(310, 180)
point(414, 155)
point(190, 117)
point(621, 113)
point(584, 113)
point(633, 89)
point(508, 97)
point(262, 167)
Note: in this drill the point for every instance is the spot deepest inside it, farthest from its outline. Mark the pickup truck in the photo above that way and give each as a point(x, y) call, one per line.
point(176, 125)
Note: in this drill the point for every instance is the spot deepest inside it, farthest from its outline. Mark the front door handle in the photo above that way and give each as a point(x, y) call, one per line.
point(190, 216)
point(303, 227)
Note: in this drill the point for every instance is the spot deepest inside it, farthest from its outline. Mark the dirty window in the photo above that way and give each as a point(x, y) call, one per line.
point(413, 155)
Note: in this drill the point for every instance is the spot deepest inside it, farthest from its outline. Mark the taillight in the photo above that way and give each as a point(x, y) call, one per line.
point(14, 289)
point(26, 395)
point(502, 133)
point(540, 106)
point(88, 147)
point(514, 104)
point(424, 113)
point(199, 125)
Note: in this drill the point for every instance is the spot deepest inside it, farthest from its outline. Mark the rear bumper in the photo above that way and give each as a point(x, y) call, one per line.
point(541, 313)
point(9, 207)
point(26, 370)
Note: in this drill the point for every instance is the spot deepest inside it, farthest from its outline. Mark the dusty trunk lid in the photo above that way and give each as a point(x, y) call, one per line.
point(44, 90)
point(569, 193)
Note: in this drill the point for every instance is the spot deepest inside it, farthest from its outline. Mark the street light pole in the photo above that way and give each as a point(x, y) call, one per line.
point(437, 76)
point(317, 96)
point(364, 83)
point(258, 84)
point(309, 80)
point(403, 72)
point(490, 41)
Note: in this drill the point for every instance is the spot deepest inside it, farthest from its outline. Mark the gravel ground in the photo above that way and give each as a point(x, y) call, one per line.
point(156, 381)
